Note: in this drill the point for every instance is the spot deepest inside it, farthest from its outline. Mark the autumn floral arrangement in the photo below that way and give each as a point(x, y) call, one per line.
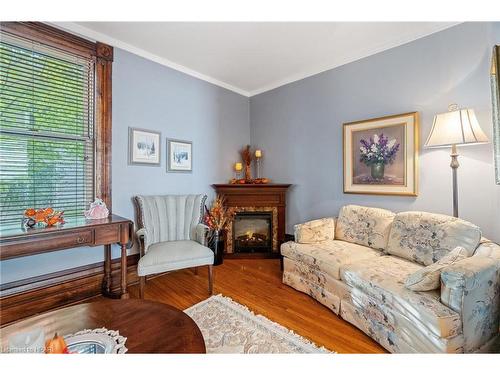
point(43, 217)
point(247, 157)
point(217, 216)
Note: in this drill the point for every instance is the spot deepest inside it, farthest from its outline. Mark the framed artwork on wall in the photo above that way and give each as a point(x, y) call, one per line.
point(143, 147)
point(179, 156)
point(381, 155)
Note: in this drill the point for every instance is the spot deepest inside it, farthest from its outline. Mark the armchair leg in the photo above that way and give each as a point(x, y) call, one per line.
point(142, 283)
point(210, 280)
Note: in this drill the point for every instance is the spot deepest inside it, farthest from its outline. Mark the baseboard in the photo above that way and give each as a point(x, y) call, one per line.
point(252, 256)
point(27, 297)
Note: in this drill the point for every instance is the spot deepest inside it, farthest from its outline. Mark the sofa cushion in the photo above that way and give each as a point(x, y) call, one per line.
point(327, 256)
point(425, 237)
point(429, 278)
point(364, 226)
point(382, 278)
point(174, 255)
point(315, 231)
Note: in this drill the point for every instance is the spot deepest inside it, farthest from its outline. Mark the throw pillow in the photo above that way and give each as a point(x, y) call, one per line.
point(428, 278)
point(315, 231)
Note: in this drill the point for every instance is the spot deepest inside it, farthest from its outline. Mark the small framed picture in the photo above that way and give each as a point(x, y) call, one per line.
point(381, 155)
point(143, 147)
point(179, 156)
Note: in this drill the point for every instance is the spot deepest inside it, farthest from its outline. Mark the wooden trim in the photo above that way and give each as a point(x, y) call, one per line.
point(34, 295)
point(104, 51)
point(48, 35)
point(103, 124)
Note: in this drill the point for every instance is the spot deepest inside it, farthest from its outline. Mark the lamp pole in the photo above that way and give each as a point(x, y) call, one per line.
point(454, 166)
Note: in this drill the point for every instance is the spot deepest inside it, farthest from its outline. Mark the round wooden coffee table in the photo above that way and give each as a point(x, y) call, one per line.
point(150, 327)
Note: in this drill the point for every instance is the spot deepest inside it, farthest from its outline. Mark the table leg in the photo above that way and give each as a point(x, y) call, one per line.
point(124, 293)
point(106, 284)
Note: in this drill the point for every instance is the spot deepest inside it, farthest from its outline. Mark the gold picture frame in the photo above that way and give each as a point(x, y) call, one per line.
point(380, 155)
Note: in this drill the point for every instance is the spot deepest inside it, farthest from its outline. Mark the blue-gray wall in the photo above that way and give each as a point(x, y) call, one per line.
point(299, 126)
point(150, 96)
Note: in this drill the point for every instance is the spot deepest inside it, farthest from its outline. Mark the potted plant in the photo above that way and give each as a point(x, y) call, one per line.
point(377, 152)
point(216, 218)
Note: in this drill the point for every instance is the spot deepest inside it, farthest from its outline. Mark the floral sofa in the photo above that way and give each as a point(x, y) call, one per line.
point(362, 264)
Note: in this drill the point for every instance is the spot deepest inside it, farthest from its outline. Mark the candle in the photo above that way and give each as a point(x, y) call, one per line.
point(238, 167)
point(258, 153)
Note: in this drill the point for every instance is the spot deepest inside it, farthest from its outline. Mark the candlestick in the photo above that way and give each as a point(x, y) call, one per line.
point(238, 167)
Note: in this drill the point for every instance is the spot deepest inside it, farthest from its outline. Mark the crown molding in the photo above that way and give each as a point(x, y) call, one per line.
point(97, 36)
point(347, 58)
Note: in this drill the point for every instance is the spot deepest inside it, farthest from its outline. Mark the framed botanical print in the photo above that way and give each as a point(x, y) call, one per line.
point(179, 156)
point(381, 155)
point(143, 147)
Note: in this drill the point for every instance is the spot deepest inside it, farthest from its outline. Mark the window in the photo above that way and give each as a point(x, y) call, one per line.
point(48, 138)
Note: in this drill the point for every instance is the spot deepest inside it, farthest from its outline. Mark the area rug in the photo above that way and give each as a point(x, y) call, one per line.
point(229, 327)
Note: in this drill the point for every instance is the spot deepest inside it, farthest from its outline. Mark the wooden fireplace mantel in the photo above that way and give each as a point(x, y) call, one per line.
point(257, 195)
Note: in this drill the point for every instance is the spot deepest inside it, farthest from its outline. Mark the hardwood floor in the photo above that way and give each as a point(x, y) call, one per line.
point(256, 283)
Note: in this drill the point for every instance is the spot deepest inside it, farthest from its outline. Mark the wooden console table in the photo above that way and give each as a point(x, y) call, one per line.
point(18, 242)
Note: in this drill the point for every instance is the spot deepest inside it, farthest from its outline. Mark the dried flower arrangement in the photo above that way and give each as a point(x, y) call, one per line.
point(217, 217)
point(247, 157)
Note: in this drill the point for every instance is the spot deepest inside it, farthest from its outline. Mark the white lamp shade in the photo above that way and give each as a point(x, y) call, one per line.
point(458, 127)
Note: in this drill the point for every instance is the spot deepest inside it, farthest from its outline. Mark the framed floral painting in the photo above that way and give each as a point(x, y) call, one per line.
point(381, 155)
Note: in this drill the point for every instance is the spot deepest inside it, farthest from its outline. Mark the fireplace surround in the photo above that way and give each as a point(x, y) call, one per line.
point(265, 204)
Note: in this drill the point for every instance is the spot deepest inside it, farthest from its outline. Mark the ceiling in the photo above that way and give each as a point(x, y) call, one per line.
point(253, 57)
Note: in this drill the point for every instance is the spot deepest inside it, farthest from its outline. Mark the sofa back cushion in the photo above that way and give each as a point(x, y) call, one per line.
point(366, 226)
point(315, 231)
point(425, 237)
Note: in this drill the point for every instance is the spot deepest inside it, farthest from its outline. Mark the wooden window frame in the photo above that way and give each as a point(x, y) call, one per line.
point(102, 54)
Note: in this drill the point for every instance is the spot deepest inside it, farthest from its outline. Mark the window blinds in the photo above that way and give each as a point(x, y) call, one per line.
point(46, 129)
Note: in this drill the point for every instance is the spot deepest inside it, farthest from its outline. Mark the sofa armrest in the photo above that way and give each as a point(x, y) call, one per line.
point(315, 231)
point(471, 287)
point(201, 234)
point(488, 249)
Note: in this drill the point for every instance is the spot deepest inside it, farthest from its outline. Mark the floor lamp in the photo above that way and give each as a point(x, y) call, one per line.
point(454, 128)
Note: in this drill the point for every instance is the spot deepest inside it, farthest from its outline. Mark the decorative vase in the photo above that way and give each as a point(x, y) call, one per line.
point(216, 243)
point(377, 171)
point(248, 173)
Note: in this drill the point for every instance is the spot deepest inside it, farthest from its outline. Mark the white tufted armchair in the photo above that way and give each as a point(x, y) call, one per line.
point(171, 235)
